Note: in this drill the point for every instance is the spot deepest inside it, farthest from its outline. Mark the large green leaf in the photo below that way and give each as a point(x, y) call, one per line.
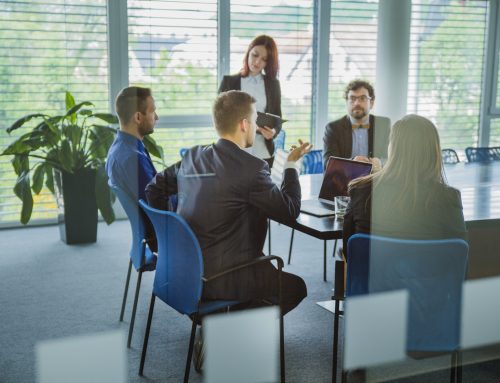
point(76, 108)
point(70, 100)
point(153, 148)
point(53, 123)
point(73, 133)
point(21, 163)
point(65, 156)
point(38, 176)
point(104, 197)
point(107, 117)
point(85, 112)
point(17, 147)
point(23, 192)
point(24, 120)
point(101, 138)
point(49, 178)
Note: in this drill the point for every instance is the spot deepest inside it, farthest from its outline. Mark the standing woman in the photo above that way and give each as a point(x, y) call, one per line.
point(258, 78)
point(409, 197)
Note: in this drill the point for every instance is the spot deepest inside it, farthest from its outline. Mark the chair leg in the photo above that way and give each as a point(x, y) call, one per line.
point(190, 350)
point(269, 241)
point(282, 330)
point(459, 366)
point(334, 249)
point(146, 335)
point(126, 290)
point(134, 309)
point(453, 371)
point(335, 341)
point(456, 367)
point(324, 260)
point(290, 249)
point(344, 376)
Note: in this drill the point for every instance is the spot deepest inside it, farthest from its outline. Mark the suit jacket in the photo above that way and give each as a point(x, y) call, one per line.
point(439, 214)
point(273, 97)
point(226, 195)
point(337, 140)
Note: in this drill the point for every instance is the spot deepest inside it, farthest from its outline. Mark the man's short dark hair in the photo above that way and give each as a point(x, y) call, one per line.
point(230, 108)
point(357, 84)
point(131, 100)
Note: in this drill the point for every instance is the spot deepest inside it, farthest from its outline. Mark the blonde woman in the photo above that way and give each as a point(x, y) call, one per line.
point(409, 197)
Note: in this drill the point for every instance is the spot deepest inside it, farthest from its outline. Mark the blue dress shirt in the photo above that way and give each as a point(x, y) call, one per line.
point(129, 165)
point(359, 139)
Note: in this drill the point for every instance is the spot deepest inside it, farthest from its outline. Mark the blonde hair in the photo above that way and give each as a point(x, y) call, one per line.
point(414, 158)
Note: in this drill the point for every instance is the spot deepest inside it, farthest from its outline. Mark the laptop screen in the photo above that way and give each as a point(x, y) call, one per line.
point(339, 172)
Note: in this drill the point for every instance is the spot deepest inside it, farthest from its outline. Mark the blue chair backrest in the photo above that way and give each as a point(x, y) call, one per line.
point(450, 156)
point(179, 267)
point(432, 271)
point(139, 251)
point(484, 154)
point(313, 162)
point(182, 152)
point(279, 140)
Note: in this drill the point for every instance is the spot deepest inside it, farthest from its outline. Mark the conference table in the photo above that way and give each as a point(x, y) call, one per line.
point(479, 184)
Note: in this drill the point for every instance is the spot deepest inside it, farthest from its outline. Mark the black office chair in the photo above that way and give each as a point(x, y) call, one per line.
point(484, 154)
point(449, 156)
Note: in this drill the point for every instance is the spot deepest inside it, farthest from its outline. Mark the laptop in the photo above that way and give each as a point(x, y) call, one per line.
point(339, 172)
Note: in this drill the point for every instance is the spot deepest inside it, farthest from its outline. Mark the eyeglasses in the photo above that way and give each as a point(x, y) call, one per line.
point(352, 99)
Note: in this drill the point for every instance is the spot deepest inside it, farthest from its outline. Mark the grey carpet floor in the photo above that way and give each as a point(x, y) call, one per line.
point(49, 290)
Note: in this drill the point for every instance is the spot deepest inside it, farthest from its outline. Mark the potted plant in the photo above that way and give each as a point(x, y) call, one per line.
point(67, 152)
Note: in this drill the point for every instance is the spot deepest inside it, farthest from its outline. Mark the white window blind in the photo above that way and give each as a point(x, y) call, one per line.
point(46, 48)
point(353, 48)
point(446, 67)
point(290, 24)
point(173, 50)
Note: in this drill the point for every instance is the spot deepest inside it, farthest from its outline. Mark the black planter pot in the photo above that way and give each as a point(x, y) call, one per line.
point(77, 207)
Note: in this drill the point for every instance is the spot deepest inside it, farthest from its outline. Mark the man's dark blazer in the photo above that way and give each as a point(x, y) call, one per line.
point(273, 97)
point(226, 194)
point(337, 140)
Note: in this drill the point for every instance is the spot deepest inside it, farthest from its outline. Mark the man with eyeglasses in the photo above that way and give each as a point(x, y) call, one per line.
point(358, 135)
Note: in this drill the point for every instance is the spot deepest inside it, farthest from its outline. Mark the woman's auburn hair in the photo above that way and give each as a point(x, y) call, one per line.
point(272, 66)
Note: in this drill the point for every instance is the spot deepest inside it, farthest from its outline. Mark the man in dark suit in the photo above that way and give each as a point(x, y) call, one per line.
point(358, 134)
point(226, 196)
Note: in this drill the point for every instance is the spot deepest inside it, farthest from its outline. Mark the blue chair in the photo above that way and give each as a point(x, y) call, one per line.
point(279, 140)
point(432, 271)
point(312, 164)
point(179, 277)
point(450, 156)
point(140, 254)
point(485, 154)
point(182, 152)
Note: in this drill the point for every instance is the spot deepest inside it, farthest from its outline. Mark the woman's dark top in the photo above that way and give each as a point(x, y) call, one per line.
point(273, 97)
point(438, 215)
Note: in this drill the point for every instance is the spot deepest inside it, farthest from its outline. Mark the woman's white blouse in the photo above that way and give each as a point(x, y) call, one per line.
point(254, 86)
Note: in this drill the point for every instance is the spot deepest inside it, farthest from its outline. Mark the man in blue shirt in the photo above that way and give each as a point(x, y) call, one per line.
point(129, 165)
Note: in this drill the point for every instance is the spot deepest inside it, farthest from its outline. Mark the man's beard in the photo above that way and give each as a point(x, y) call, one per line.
point(359, 113)
point(145, 129)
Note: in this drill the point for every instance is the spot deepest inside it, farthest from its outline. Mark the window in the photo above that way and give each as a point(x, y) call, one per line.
point(290, 24)
point(353, 48)
point(173, 50)
point(446, 67)
point(46, 48)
